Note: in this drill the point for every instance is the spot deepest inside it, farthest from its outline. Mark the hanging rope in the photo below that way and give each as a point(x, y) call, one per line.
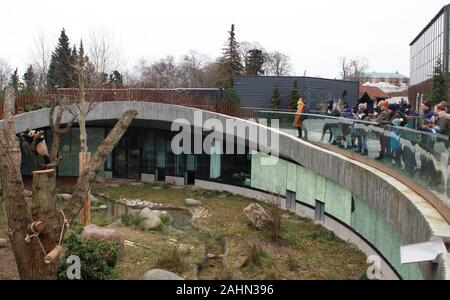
point(36, 235)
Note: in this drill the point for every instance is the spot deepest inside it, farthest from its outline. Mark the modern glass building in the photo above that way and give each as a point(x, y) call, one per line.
point(431, 44)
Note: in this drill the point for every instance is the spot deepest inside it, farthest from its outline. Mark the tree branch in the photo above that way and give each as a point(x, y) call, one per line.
point(87, 177)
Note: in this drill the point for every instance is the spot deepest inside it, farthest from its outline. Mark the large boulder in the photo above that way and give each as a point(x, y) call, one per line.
point(192, 202)
point(104, 234)
point(150, 220)
point(3, 243)
point(158, 274)
point(256, 215)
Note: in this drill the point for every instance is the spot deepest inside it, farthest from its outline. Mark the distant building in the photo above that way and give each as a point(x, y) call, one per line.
point(256, 91)
point(372, 96)
point(396, 78)
point(431, 44)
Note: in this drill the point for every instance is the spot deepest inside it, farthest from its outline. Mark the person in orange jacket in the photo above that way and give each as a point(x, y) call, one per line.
point(298, 117)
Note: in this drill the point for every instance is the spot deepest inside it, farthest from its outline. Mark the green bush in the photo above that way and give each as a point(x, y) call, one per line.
point(98, 258)
point(130, 220)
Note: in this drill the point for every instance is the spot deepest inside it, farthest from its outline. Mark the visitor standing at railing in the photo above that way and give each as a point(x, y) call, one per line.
point(298, 118)
point(347, 127)
point(332, 124)
point(361, 130)
point(384, 118)
point(395, 142)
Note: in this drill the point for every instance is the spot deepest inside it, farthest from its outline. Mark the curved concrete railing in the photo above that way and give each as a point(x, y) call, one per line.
point(412, 218)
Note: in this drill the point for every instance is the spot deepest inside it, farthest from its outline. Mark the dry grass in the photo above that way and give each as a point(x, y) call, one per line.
point(303, 251)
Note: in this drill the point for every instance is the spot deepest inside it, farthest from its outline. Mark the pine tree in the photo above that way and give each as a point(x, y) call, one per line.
point(15, 81)
point(275, 102)
point(30, 81)
point(254, 62)
point(295, 95)
point(230, 62)
point(439, 88)
point(230, 96)
point(61, 70)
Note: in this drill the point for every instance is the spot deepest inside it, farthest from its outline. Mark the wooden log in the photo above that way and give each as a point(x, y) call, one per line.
point(53, 255)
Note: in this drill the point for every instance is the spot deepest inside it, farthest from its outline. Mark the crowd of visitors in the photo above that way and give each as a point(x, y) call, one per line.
point(350, 128)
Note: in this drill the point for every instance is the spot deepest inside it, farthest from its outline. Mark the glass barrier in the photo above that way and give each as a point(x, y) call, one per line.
point(421, 156)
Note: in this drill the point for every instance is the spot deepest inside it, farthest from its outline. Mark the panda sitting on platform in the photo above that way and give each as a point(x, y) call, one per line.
point(41, 145)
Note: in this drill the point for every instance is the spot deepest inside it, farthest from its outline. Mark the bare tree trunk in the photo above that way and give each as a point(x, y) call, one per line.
point(57, 131)
point(85, 214)
point(30, 256)
point(87, 177)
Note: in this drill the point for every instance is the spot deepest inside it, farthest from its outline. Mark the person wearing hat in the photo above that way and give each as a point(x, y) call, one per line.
point(298, 118)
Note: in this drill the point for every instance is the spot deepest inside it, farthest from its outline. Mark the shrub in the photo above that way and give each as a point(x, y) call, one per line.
point(275, 213)
point(173, 261)
point(130, 220)
point(98, 258)
point(257, 257)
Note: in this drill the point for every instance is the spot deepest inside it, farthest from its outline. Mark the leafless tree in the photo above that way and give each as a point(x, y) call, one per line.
point(103, 52)
point(40, 57)
point(345, 65)
point(353, 68)
point(5, 73)
point(191, 69)
point(277, 63)
point(160, 74)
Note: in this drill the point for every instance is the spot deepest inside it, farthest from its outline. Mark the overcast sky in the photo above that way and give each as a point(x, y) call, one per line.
point(313, 33)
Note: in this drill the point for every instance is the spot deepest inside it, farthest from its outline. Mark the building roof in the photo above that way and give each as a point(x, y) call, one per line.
point(430, 23)
point(373, 92)
point(384, 75)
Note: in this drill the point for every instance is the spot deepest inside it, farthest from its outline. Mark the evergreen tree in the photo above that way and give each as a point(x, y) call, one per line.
point(295, 95)
point(15, 81)
point(30, 81)
point(230, 96)
point(230, 62)
point(61, 70)
point(116, 79)
point(439, 88)
point(254, 62)
point(275, 102)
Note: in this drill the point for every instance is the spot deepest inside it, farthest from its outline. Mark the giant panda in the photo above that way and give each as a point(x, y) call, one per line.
point(41, 145)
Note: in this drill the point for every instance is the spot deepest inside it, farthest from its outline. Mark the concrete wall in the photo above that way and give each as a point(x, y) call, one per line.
point(409, 215)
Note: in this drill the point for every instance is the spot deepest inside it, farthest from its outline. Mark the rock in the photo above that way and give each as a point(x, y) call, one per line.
point(64, 197)
point(151, 223)
point(104, 234)
point(256, 215)
point(211, 255)
point(150, 219)
point(146, 213)
point(3, 243)
point(158, 274)
point(192, 202)
point(136, 183)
